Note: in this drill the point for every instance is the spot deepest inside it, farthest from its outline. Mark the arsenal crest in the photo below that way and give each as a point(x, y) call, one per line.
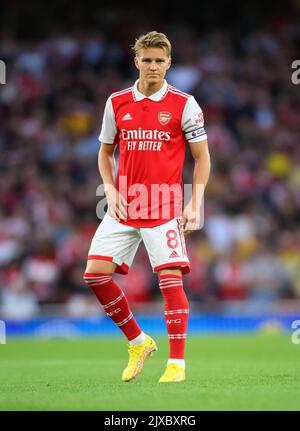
point(164, 117)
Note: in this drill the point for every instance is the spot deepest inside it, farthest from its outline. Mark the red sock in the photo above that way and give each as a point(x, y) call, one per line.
point(176, 313)
point(114, 302)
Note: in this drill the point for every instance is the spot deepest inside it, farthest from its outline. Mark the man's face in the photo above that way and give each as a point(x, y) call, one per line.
point(152, 64)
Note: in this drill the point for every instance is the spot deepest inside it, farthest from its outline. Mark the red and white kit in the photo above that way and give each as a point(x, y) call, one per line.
point(152, 134)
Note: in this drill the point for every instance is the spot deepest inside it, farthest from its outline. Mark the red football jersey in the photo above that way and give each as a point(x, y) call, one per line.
point(152, 133)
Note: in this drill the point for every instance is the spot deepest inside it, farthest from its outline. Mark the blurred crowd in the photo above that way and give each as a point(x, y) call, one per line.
point(50, 114)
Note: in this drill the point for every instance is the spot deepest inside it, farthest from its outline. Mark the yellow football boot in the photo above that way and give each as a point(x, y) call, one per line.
point(137, 356)
point(173, 373)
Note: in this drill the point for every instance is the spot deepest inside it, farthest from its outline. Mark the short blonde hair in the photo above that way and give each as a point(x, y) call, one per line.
point(153, 39)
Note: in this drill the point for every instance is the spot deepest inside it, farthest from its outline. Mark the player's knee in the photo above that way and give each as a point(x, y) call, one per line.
point(100, 267)
point(170, 271)
point(98, 272)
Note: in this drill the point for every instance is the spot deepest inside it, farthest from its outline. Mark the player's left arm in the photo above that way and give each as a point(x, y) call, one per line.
point(191, 214)
point(193, 128)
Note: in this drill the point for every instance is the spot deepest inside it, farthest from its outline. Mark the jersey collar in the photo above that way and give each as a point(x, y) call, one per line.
point(156, 97)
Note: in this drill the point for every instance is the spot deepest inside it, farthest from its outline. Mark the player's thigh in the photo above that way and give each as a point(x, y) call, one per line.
point(113, 247)
point(100, 266)
point(166, 248)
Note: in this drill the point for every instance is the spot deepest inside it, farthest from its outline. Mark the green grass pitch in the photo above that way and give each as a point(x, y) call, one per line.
point(224, 372)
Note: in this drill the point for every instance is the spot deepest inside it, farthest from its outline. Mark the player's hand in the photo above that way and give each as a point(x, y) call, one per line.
point(190, 219)
point(116, 203)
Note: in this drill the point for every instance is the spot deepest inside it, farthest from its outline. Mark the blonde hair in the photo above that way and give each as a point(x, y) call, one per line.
point(153, 39)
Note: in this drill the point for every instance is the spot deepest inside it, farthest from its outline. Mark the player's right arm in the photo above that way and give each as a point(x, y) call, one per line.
point(107, 166)
point(116, 204)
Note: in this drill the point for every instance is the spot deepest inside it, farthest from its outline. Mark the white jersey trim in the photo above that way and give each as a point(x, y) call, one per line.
point(120, 93)
point(180, 93)
point(156, 97)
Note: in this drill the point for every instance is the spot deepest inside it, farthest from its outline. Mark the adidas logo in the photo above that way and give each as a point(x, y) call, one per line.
point(127, 117)
point(174, 254)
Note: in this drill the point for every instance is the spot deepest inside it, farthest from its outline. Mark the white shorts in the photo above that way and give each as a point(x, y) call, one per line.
point(118, 243)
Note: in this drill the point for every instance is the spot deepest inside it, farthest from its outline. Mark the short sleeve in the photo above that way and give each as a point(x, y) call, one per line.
point(192, 122)
point(109, 128)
